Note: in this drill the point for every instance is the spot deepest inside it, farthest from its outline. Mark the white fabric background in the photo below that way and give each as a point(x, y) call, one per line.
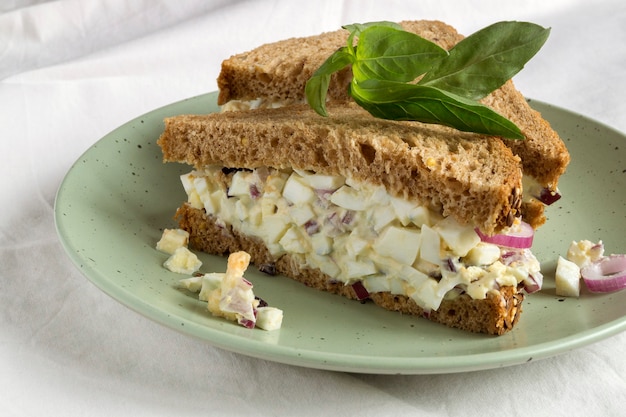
point(71, 71)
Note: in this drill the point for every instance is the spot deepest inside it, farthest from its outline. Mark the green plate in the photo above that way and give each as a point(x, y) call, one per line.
point(118, 197)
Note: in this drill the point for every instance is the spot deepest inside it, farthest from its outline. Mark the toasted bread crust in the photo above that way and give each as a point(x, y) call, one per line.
point(543, 153)
point(496, 314)
point(474, 178)
point(279, 71)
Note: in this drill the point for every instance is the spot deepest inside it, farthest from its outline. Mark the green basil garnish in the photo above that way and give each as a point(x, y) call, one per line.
point(399, 75)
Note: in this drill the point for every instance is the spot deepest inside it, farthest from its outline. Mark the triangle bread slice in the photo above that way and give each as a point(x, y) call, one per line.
point(277, 73)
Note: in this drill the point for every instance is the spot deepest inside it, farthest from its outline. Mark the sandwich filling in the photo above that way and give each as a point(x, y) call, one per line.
point(358, 234)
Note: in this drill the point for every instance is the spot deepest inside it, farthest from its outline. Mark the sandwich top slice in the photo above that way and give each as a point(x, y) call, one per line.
point(276, 74)
point(396, 212)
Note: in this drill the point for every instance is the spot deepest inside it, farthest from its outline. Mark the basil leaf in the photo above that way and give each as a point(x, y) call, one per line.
point(355, 30)
point(387, 60)
point(485, 60)
point(316, 88)
point(386, 53)
point(400, 101)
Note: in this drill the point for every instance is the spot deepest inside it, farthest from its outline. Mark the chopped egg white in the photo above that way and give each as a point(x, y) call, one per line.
point(355, 231)
point(399, 243)
point(193, 284)
point(172, 239)
point(210, 282)
point(567, 278)
point(269, 318)
point(459, 238)
point(483, 254)
point(183, 261)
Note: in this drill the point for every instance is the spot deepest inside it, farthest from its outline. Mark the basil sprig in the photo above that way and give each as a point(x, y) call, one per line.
point(399, 75)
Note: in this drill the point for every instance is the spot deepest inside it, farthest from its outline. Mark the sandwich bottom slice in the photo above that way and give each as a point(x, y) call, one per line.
point(355, 239)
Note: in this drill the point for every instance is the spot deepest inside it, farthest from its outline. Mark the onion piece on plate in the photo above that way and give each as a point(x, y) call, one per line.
point(606, 275)
point(360, 291)
point(520, 237)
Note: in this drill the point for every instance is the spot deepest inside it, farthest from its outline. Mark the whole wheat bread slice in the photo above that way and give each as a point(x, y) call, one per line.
point(278, 72)
point(474, 178)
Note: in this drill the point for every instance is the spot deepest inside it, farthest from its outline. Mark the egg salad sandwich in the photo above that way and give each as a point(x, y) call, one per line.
point(421, 218)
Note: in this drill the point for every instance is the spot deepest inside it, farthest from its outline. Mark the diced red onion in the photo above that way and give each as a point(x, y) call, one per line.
point(247, 323)
point(606, 275)
point(334, 219)
point(254, 192)
point(521, 239)
point(324, 197)
point(311, 227)
point(598, 246)
point(450, 265)
point(511, 256)
point(360, 290)
point(533, 283)
point(337, 222)
point(348, 217)
point(548, 196)
point(324, 194)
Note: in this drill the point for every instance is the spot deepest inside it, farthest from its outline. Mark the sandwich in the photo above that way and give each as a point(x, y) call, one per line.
point(275, 74)
point(419, 218)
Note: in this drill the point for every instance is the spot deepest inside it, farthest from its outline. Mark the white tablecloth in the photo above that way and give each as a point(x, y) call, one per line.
point(71, 71)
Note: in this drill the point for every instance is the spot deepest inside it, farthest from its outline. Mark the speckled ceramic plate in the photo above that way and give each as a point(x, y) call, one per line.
point(118, 197)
